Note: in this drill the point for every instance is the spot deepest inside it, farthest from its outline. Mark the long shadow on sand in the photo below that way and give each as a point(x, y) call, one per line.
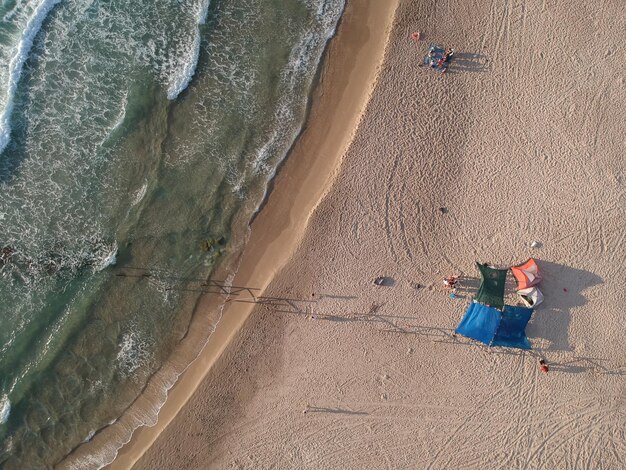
point(563, 288)
point(464, 62)
point(598, 366)
point(396, 324)
point(343, 411)
point(242, 294)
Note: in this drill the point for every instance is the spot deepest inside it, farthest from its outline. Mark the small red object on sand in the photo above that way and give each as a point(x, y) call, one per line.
point(416, 36)
point(564, 289)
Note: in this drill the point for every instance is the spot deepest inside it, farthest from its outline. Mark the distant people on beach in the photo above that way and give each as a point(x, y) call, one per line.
point(543, 367)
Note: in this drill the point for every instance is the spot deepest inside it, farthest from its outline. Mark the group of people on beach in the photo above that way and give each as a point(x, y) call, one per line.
point(437, 58)
point(441, 62)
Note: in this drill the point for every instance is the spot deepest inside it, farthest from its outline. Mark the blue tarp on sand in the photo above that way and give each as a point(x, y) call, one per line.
point(495, 328)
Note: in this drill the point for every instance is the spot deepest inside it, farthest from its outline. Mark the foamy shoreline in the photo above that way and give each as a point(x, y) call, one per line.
point(307, 173)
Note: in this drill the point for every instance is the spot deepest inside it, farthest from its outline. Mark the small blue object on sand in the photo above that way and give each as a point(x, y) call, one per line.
point(453, 296)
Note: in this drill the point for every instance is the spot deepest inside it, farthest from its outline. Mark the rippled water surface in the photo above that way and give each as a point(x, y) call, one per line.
point(135, 137)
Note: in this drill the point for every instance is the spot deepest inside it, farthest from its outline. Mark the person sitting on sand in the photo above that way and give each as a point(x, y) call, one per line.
point(450, 281)
point(447, 55)
point(543, 367)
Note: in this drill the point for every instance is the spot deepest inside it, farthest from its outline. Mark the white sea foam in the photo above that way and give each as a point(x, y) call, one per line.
point(306, 52)
point(265, 151)
point(160, 384)
point(108, 258)
point(181, 77)
point(122, 115)
point(129, 353)
point(303, 56)
point(17, 63)
point(5, 409)
point(203, 11)
point(133, 353)
point(139, 195)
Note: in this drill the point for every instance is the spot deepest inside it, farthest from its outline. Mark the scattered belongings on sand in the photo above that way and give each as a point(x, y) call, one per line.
point(531, 296)
point(527, 274)
point(489, 320)
point(384, 281)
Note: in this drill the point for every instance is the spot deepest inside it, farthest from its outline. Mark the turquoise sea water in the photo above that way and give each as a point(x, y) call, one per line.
point(131, 132)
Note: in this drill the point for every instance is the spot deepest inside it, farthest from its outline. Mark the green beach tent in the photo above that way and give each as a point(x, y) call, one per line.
point(491, 290)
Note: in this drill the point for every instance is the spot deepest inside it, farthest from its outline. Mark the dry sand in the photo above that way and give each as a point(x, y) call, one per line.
point(522, 140)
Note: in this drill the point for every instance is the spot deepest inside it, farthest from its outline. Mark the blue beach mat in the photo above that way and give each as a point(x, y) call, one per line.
point(438, 53)
point(496, 328)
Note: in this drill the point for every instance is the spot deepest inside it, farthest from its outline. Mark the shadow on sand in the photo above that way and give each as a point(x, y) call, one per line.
point(322, 409)
point(463, 62)
point(563, 288)
point(578, 365)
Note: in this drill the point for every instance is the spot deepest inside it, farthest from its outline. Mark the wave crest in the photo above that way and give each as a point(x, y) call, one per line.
point(181, 78)
point(17, 64)
point(5, 409)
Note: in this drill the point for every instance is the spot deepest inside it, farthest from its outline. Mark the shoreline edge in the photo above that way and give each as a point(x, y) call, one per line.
point(348, 74)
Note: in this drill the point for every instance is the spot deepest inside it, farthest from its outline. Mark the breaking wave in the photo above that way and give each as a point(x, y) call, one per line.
point(5, 409)
point(60, 260)
point(17, 63)
point(182, 76)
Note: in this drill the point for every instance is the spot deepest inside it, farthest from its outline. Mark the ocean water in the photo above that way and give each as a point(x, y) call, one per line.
point(137, 138)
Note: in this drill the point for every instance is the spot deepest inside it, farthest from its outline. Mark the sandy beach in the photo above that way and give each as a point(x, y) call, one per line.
point(411, 174)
